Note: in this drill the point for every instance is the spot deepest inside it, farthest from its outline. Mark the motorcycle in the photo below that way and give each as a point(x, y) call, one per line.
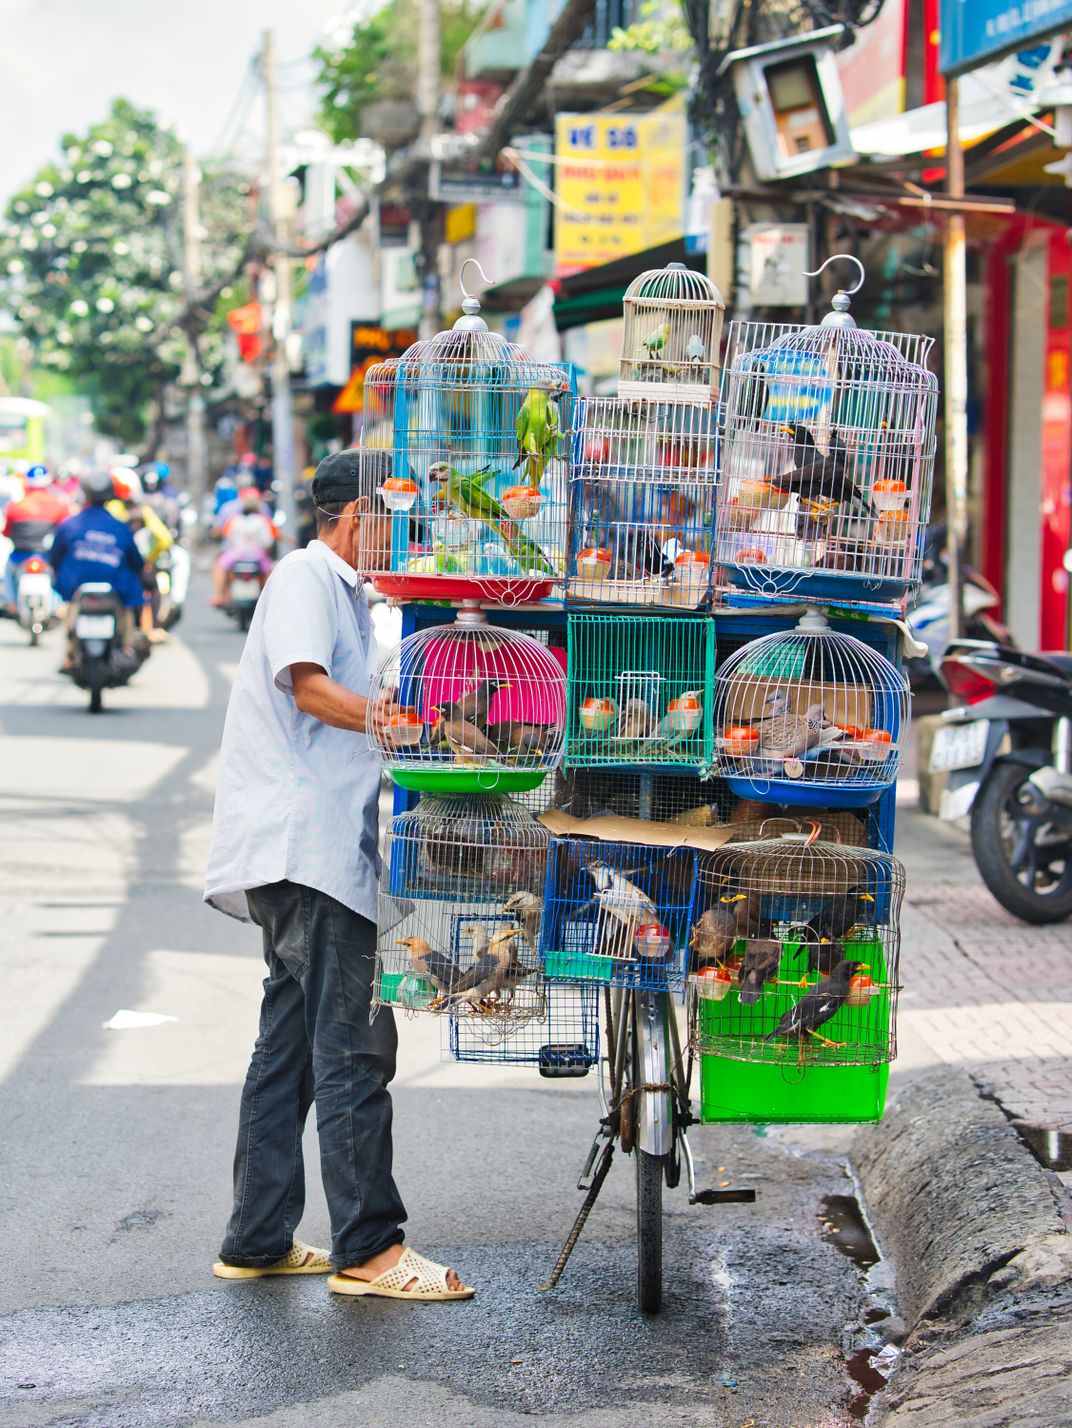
point(245, 591)
point(35, 602)
point(929, 621)
point(1007, 754)
point(100, 660)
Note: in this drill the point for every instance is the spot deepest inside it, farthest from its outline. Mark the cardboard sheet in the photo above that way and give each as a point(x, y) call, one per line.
point(610, 829)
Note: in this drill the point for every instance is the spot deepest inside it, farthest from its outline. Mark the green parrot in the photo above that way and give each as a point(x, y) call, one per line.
point(657, 340)
point(539, 433)
point(467, 493)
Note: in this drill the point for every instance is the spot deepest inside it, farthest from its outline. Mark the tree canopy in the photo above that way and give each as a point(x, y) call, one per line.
point(91, 264)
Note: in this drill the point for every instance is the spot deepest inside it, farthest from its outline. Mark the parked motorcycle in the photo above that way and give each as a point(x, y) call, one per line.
point(100, 660)
point(1007, 752)
point(35, 603)
point(245, 591)
point(929, 621)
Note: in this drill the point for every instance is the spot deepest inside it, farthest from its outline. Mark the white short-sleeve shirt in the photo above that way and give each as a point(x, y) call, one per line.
point(297, 799)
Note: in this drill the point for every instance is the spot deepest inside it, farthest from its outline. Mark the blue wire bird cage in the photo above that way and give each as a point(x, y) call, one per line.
point(617, 913)
point(460, 906)
point(642, 500)
point(810, 716)
point(479, 434)
point(563, 1043)
point(827, 462)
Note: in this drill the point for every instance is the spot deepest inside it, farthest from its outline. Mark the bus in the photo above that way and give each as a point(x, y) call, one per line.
point(24, 427)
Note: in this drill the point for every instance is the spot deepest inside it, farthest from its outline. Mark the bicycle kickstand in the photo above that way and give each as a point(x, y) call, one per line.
point(595, 1185)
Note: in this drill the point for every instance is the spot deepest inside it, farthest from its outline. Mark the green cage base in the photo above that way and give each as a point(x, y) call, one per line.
point(419, 991)
point(454, 780)
point(757, 1092)
point(579, 967)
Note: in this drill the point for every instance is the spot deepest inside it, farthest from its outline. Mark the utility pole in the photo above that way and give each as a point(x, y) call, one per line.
point(429, 52)
point(196, 448)
point(955, 339)
point(284, 457)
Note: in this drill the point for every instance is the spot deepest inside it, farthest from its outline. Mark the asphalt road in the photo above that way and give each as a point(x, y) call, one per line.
point(115, 1151)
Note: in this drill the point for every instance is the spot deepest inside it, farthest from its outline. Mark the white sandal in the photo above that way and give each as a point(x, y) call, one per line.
point(301, 1259)
point(430, 1281)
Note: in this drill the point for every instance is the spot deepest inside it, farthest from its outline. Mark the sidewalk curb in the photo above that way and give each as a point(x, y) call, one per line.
point(983, 1261)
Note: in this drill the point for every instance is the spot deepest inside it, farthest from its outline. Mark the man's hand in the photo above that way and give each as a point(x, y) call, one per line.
point(377, 713)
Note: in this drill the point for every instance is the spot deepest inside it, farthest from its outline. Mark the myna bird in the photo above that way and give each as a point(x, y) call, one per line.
point(714, 935)
point(816, 476)
point(528, 909)
point(475, 704)
point(467, 743)
point(759, 967)
point(807, 1015)
point(492, 972)
point(839, 915)
point(522, 738)
point(440, 969)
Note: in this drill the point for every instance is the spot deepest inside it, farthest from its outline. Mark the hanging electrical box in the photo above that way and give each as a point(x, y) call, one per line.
point(791, 102)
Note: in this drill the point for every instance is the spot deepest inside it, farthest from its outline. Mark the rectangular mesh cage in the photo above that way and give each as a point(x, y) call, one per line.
point(642, 500)
point(675, 796)
point(479, 436)
point(617, 913)
point(793, 953)
point(563, 1043)
point(638, 691)
point(827, 462)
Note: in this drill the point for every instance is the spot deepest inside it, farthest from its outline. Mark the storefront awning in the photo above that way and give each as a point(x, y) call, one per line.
point(595, 294)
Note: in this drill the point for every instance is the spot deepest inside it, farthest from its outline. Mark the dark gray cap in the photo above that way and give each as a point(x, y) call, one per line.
point(98, 486)
point(349, 475)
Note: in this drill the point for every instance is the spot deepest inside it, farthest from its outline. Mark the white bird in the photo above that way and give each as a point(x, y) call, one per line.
point(623, 908)
point(635, 721)
point(695, 348)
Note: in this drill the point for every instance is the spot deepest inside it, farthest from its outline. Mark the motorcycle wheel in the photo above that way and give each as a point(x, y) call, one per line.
point(1047, 896)
point(95, 680)
point(245, 618)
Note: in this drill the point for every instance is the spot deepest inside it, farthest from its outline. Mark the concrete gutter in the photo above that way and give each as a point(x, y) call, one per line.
point(982, 1256)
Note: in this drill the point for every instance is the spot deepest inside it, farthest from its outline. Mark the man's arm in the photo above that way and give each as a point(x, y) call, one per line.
point(316, 693)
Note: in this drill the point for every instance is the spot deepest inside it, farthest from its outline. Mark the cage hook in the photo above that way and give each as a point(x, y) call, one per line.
point(467, 296)
point(834, 257)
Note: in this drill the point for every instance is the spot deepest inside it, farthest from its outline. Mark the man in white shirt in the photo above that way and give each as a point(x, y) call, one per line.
point(294, 849)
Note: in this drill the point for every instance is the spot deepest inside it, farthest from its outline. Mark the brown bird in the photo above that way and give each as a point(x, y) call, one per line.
point(475, 704)
point(513, 734)
point(440, 969)
point(466, 742)
point(528, 909)
point(760, 966)
point(494, 971)
point(714, 934)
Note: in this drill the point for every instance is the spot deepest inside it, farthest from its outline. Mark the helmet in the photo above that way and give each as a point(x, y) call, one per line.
point(251, 501)
point(126, 483)
point(37, 477)
point(98, 487)
point(150, 479)
point(249, 491)
point(162, 469)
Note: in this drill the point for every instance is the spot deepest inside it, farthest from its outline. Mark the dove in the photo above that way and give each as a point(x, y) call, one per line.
point(635, 720)
point(788, 736)
point(695, 348)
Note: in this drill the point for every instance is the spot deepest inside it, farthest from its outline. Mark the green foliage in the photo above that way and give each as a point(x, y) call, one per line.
point(91, 263)
point(662, 33)
point(379, 61)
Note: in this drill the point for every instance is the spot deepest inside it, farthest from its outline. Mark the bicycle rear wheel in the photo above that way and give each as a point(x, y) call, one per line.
point(650, 1173)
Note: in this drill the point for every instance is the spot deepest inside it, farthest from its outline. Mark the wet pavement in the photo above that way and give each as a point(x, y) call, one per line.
point(117, 1146)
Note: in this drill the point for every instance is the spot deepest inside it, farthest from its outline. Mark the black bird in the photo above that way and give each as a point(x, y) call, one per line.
point(819, 480)
point(813, 1010)
point(759, 966)
point(475, 704)
point(834, 920)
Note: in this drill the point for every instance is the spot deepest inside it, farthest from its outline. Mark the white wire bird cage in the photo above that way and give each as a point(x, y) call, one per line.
point(477, 708)
point(810, 715)
point(479, 435)
point(794, 953)
point(827, 461)
point(673, 331)
point(460, 905)
point(642, 500)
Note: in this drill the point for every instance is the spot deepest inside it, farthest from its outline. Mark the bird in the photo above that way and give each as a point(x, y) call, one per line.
point(514, 734)
point(838, 915)
point(818, 476)
point(623, 909)
point(635, 721)
point(467, 743)
point(656, 340)
point(818, 1006)
point(791, 735)
point(714, 934)
point(469, 496)
point(760, 965)
point(528, 909)
point(440, 969)
point(492, 971)
point(475, 703)
point(539, 432)
point(695, 348)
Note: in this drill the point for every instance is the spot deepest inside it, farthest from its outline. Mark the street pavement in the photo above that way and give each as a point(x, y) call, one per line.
point(116, 1149)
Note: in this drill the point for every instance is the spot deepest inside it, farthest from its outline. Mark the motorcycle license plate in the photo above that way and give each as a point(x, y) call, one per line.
point(95, 627)
point(35, 587)
point(960, 746)
point(243, 591)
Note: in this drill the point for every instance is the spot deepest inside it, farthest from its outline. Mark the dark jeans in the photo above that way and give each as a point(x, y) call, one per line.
point(315, 1045)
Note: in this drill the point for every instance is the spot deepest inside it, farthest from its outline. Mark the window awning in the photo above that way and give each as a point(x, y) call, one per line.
point(595, 294)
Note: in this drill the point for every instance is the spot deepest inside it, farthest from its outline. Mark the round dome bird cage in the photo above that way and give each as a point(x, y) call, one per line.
point(673, 331)
point(460, 904)
point(794, 953)
point(810, 716)
point(478, 433)
point(479, 708)
point(827, 460)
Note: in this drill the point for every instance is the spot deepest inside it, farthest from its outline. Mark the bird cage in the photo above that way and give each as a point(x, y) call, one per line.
point(478, 708)
point(638, 689)
point(478, 433)
point(617, 913)
point(460, 904)
point(642, 500)
point(827, 461)
point(563, 1043)
point(810, 715)
point(673, 331)
point(794, 953)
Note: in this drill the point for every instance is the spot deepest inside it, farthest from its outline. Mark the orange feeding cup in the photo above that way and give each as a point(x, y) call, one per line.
point(399, 493)
point(594, 563)
point(598, 715)
point(522, 502)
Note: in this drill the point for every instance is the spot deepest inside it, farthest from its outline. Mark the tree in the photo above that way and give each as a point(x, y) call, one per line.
point(378, 60)
point(91, 265)
point(659, 32)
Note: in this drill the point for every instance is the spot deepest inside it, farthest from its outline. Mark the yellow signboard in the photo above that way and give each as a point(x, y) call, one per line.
point(620, 185)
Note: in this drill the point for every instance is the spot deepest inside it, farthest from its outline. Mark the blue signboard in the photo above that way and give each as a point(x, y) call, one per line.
point(974, 32)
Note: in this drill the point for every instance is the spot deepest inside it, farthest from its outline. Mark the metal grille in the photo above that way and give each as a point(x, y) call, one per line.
point(810, 716)
point(642, 500)
point(794, 953)
point(562, 1043)
point(617, 913)
point(672, 335)
point(827, 461)
point(479, 433)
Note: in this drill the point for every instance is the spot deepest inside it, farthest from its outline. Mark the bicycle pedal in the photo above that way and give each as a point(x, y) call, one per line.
point(743, 1196)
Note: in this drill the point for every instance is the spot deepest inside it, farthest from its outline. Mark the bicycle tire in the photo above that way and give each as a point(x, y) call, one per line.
point(650, 1173)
